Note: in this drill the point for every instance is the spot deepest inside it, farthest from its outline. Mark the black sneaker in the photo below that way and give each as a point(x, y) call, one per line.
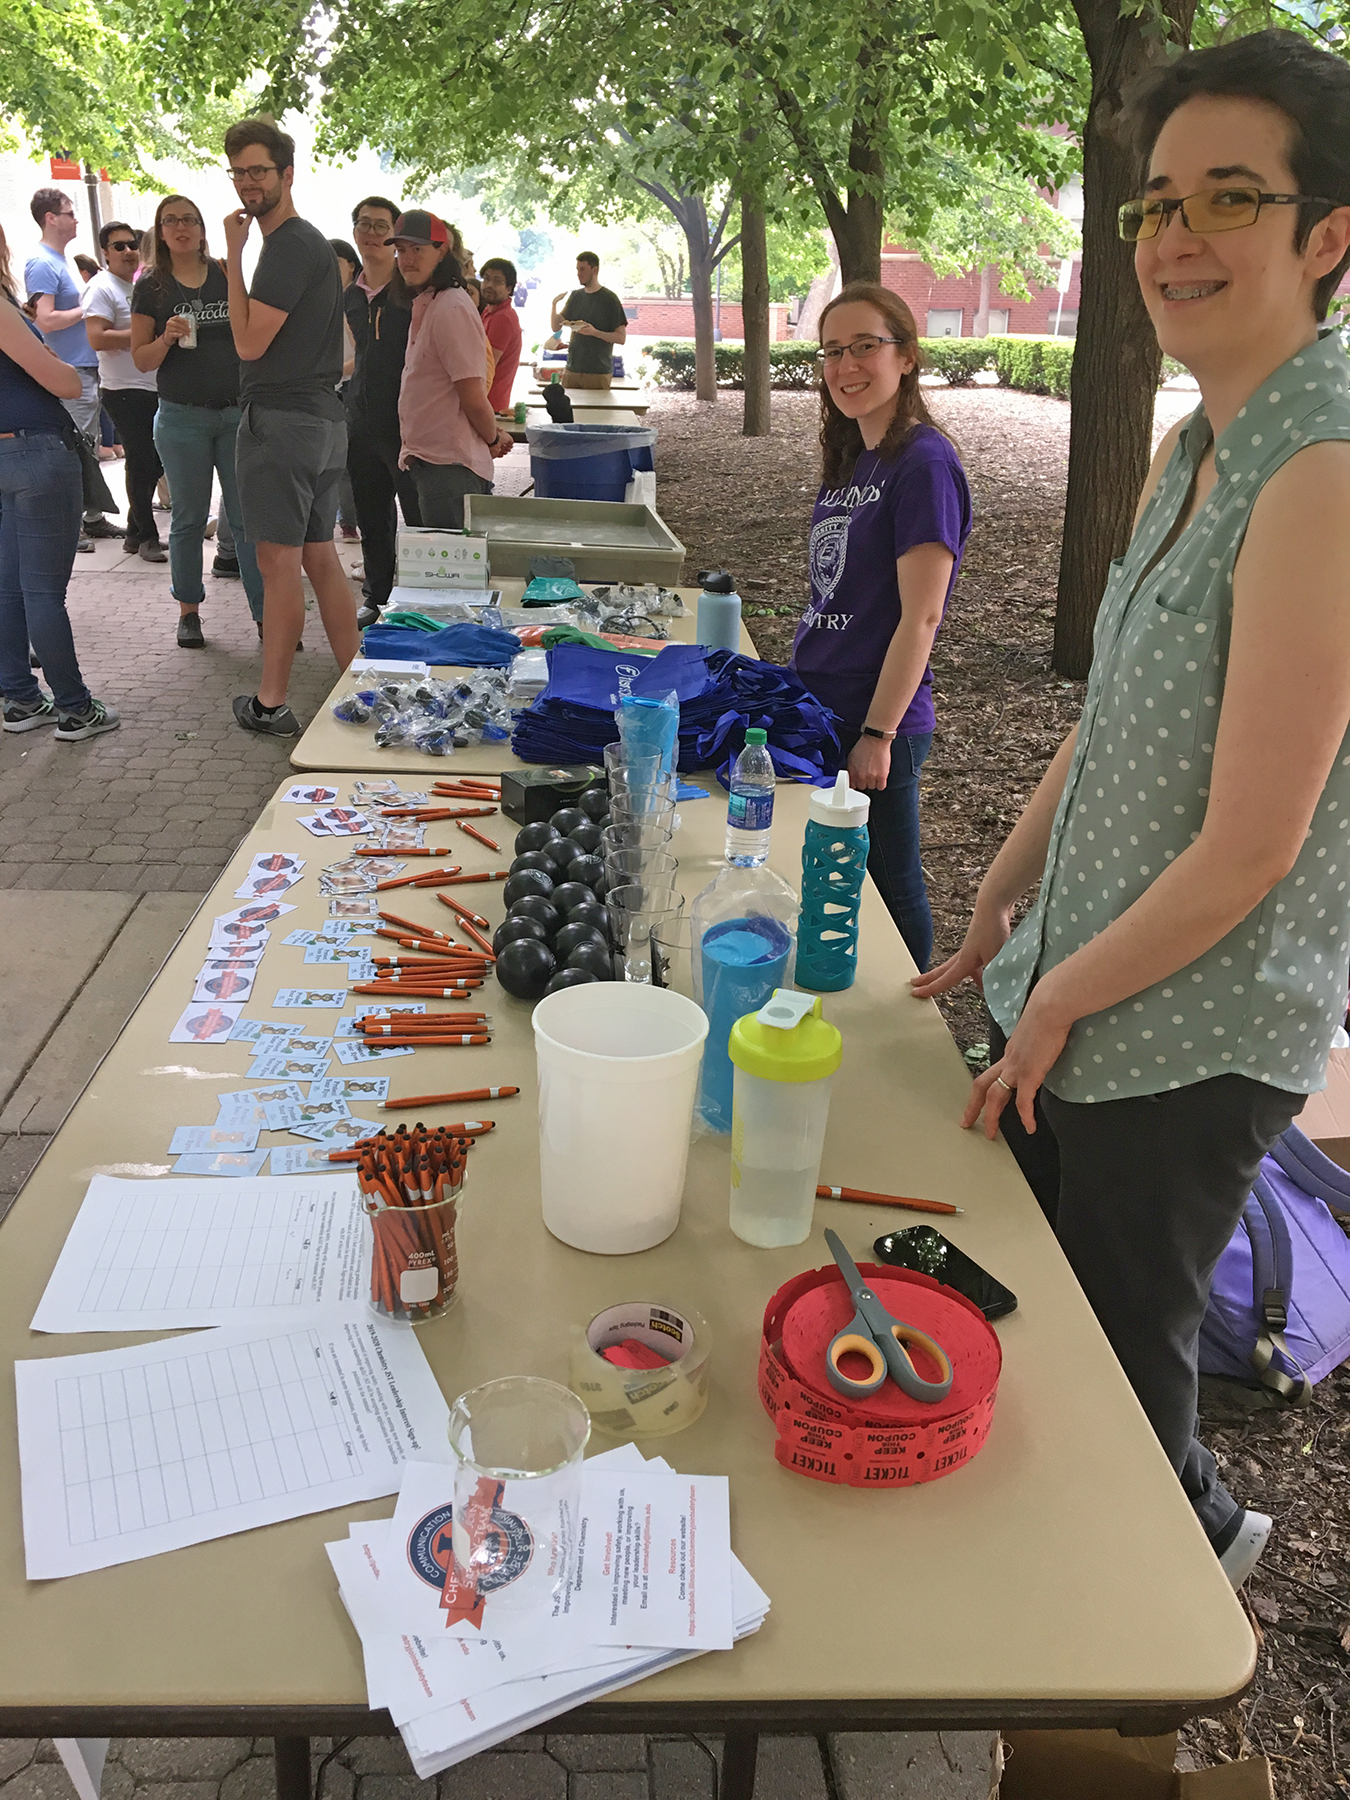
point(227, 566)
point(152, 551)
point(74, 728)
point(27, 715)
point(190, 632)
point(281, 723)
point(100, 528)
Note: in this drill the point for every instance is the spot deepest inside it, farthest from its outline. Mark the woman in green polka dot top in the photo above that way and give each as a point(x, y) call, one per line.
point(1170, 998)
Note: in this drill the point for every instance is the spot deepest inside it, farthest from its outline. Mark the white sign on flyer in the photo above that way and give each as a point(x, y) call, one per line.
point(430, 558)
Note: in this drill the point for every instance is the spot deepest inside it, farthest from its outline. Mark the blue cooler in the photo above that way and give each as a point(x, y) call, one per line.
point(588, 462)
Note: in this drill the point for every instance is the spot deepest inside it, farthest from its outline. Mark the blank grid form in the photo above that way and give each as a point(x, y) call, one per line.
point(150, 1443)
point(232, 1249)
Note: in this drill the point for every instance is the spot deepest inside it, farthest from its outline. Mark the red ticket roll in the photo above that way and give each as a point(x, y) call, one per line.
point(887, 1440)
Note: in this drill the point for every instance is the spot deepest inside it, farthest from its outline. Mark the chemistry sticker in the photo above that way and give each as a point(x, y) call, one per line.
point(501, 1546)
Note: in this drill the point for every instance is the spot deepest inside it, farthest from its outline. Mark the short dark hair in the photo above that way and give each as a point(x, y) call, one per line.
point(507, 269)
point(345, 252)
point(279, 145)
point(588, 256)
point(373, 201)
point(48, 200)
point(1311, 87)
point(106, 231)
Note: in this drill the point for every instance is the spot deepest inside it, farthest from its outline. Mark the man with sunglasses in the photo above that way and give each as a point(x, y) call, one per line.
point(1168, 1002)
point(131, 395)
point(292, 444)
point(55, 296)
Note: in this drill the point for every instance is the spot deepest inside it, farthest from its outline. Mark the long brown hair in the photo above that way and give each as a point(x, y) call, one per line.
point(6, 279)
point(162, 265)
point(840, 438)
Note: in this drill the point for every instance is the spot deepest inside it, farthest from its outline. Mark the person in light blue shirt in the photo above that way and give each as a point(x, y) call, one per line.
point(1170, 997)
point(48, 281)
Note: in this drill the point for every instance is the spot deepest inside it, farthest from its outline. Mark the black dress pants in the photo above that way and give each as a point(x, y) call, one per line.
point(377, 480)
point(1143, 1195)
point(132, 411)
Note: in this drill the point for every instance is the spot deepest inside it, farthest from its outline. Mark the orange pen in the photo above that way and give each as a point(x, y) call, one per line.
point(487, 1093)
point(479, 836)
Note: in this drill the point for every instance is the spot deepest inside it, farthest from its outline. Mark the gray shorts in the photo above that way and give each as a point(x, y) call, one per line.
point(288, 466)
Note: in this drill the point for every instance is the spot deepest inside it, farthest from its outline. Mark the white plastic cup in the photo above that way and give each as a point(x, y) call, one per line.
point(189, 339)
point(618, 1072)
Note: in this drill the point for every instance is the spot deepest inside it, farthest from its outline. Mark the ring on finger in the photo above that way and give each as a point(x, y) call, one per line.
point(1003, 1084)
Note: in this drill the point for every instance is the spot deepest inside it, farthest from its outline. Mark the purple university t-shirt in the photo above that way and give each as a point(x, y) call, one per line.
point(857, 533)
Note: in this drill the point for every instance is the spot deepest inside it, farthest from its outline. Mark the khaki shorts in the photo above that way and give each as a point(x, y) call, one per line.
point(576, 378)
point(288, 466)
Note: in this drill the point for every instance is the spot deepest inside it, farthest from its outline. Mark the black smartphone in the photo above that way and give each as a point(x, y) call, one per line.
point(927, 1252)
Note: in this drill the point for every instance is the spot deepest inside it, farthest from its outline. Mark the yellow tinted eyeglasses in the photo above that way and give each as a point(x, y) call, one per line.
point(1211, 210)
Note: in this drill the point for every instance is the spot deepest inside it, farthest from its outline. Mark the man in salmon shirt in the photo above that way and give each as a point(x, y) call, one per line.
point(449, 433)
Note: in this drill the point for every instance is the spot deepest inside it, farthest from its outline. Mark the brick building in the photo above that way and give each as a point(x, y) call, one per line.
point(650, 315)
point(948, 305)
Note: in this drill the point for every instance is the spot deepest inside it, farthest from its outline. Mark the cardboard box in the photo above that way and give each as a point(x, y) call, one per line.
point(1326, 1116)
point(1102, 1765)
point(429, 558)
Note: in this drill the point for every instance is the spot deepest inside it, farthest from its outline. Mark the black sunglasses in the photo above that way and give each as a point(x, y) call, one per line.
point(129, 244)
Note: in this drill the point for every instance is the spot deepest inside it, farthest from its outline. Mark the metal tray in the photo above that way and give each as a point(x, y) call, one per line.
point(607, 540)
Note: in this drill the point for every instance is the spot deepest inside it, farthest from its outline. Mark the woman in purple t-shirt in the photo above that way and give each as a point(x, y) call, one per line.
point(889, 526)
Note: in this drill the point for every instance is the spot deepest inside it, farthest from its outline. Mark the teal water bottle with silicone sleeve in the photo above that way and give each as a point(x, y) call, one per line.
point(834, 862)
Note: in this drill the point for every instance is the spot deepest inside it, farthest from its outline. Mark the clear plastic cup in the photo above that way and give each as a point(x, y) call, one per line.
point(635, 912)
point(519, 1442)
point(634, 835)
point(657, 868)
point(635, 809)
point(672, 951)
point(618, 1070)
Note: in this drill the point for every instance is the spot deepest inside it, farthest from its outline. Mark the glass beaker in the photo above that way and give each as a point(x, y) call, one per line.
point(519, 1443)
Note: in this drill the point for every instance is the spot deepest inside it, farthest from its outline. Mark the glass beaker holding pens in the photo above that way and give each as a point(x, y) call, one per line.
point(411, 1184)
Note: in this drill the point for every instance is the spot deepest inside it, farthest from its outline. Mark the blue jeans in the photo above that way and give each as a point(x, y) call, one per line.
point(195, 442)
point(41, 496)
point(893, 827)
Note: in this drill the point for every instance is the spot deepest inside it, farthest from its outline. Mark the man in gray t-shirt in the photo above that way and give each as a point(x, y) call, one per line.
point(598, 322)
point(292, 446)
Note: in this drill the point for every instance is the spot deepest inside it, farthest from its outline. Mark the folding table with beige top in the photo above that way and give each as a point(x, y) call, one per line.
point(1057, 1579)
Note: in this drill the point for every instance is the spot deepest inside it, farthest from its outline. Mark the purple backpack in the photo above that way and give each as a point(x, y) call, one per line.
point(1279, 1309)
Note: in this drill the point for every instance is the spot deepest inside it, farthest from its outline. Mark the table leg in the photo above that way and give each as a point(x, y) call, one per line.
point(740, 1748)
point(292, 1760)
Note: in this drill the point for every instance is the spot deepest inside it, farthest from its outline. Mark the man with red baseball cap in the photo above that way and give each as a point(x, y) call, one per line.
point(449, 431)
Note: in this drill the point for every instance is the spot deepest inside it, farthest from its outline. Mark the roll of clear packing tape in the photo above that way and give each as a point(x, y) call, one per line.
point(642, 1402)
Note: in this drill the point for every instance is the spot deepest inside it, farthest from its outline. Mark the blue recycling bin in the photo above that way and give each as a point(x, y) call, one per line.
point(588, 462)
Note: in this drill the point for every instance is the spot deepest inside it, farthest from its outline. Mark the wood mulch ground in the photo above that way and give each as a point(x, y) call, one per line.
point(745, 503)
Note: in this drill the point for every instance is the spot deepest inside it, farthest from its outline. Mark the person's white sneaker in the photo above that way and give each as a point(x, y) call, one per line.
point(1243, 1554)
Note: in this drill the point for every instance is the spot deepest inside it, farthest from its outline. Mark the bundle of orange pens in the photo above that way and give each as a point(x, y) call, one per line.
point(410, 1184)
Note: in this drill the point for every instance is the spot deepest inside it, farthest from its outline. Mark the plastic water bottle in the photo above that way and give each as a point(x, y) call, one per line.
point(718, 622)
point(750, 808)
point(834, 862)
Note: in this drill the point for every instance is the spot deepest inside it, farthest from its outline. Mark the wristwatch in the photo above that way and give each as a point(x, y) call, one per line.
point(872, 732)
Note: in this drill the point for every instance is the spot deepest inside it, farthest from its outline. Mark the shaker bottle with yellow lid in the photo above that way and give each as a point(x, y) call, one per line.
point(785, 1056)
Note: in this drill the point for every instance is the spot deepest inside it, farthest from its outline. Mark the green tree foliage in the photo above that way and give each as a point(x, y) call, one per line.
point(997, 220)
point(796, 256)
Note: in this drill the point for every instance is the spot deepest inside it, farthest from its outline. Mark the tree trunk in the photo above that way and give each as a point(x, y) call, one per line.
point(694, 219)
point(755, 317)
point(818, 295)
point(980, 327)
point(857, 233)
point(1116, 359)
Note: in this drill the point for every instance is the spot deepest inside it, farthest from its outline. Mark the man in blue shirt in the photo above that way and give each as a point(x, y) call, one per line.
point(48, 280)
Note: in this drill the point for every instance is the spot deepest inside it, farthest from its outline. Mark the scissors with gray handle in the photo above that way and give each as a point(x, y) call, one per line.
point(874, 1334)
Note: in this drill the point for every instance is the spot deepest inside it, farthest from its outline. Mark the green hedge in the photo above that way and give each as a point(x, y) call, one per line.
point(1032, 365)
point(791, 365)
